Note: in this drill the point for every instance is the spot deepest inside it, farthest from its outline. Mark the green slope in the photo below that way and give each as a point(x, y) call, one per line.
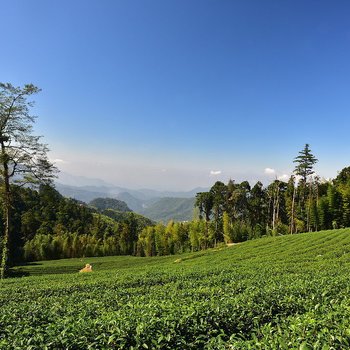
point(121, 216)
point(109, 203)
point(290, 292)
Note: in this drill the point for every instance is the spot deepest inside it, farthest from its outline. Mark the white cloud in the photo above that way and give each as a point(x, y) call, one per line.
point(324, 180)
point(215, 172)
point(284, 177)
point(297, 178)
point(269, 171)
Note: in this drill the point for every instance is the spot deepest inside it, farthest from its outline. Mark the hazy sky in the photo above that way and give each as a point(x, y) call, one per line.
point(178, 94)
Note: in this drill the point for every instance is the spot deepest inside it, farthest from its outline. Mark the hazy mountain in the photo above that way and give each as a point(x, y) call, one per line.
point(165, 209)
point(79, 193)
point(149, 194)
point(88, 192)
point(101, 186)
point(73, 180)
point(109, 203)
point(133, 203)
point(157, 205)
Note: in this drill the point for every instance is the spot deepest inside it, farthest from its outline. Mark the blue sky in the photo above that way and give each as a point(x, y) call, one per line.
point(179, 94)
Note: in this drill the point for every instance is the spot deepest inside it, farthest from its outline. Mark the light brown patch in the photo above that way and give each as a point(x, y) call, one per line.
point(87, 268)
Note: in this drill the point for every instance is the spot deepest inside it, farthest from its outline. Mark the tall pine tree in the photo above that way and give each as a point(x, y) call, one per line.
point(304, 168)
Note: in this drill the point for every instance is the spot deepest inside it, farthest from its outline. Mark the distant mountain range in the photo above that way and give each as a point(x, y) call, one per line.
point(156, 205)
point(170, 208)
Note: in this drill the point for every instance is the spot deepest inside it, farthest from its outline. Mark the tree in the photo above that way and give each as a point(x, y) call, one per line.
point(305, 163)
point(219, 195)
point(204, 201)
point(276, 192)
point(343, 177)
point(23, 158)
point(290, 196)
point(304, 168)
point(226, 226)
point(237, 203)
point(257, 205)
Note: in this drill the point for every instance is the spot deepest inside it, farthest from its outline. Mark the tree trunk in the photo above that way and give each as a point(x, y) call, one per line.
point(308, 213)
point(207, 234)
point(275, 211)
point(292, 215)
point(317, 219)
point(6, 240)
point(7, 207)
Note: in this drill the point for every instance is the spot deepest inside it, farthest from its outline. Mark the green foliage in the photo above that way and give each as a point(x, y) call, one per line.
point(128, 217)
point(109, 203)
point(343, 177)
point(164, 240)
point(49, 226)
point(227, 228)
point(204, 202)
point(305, 162)
point(23, 159)
point(289, 292)
point(236, 213)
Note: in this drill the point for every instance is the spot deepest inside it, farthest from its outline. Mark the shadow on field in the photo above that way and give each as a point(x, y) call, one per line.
point(18, 273)
point(21, 270)
point(31, 264)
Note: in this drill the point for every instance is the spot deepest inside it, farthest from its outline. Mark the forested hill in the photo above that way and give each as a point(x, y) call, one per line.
point(109, 203)
point(119, 211)
point(47, 225)
point(166, 209)
point(158, 206)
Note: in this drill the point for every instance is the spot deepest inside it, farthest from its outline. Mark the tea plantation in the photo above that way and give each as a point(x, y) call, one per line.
point(290, 292)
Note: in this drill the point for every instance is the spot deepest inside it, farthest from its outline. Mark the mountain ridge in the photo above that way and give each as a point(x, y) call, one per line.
point(156, 205)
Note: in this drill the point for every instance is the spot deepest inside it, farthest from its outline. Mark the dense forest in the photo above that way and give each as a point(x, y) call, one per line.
point(46, 225)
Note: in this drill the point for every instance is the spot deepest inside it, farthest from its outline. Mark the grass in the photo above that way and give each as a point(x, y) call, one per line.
point(288, 292)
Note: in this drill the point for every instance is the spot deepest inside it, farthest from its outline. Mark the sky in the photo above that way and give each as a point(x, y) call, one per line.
point(175, 94)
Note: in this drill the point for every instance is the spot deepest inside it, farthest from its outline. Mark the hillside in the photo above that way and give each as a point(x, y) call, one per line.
point(133, 203)
point(109, 203)
point(166, 209)
point(86, 189)
point(119, 211)
point(84, 194)
point(50, 226)
point(121, 216)
point(156, 205)
point(270, 293)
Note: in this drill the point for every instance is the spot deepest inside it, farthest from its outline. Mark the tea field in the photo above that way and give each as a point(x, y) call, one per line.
point(290, 292)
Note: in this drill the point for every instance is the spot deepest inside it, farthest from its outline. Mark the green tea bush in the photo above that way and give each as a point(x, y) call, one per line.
point(289, 292)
